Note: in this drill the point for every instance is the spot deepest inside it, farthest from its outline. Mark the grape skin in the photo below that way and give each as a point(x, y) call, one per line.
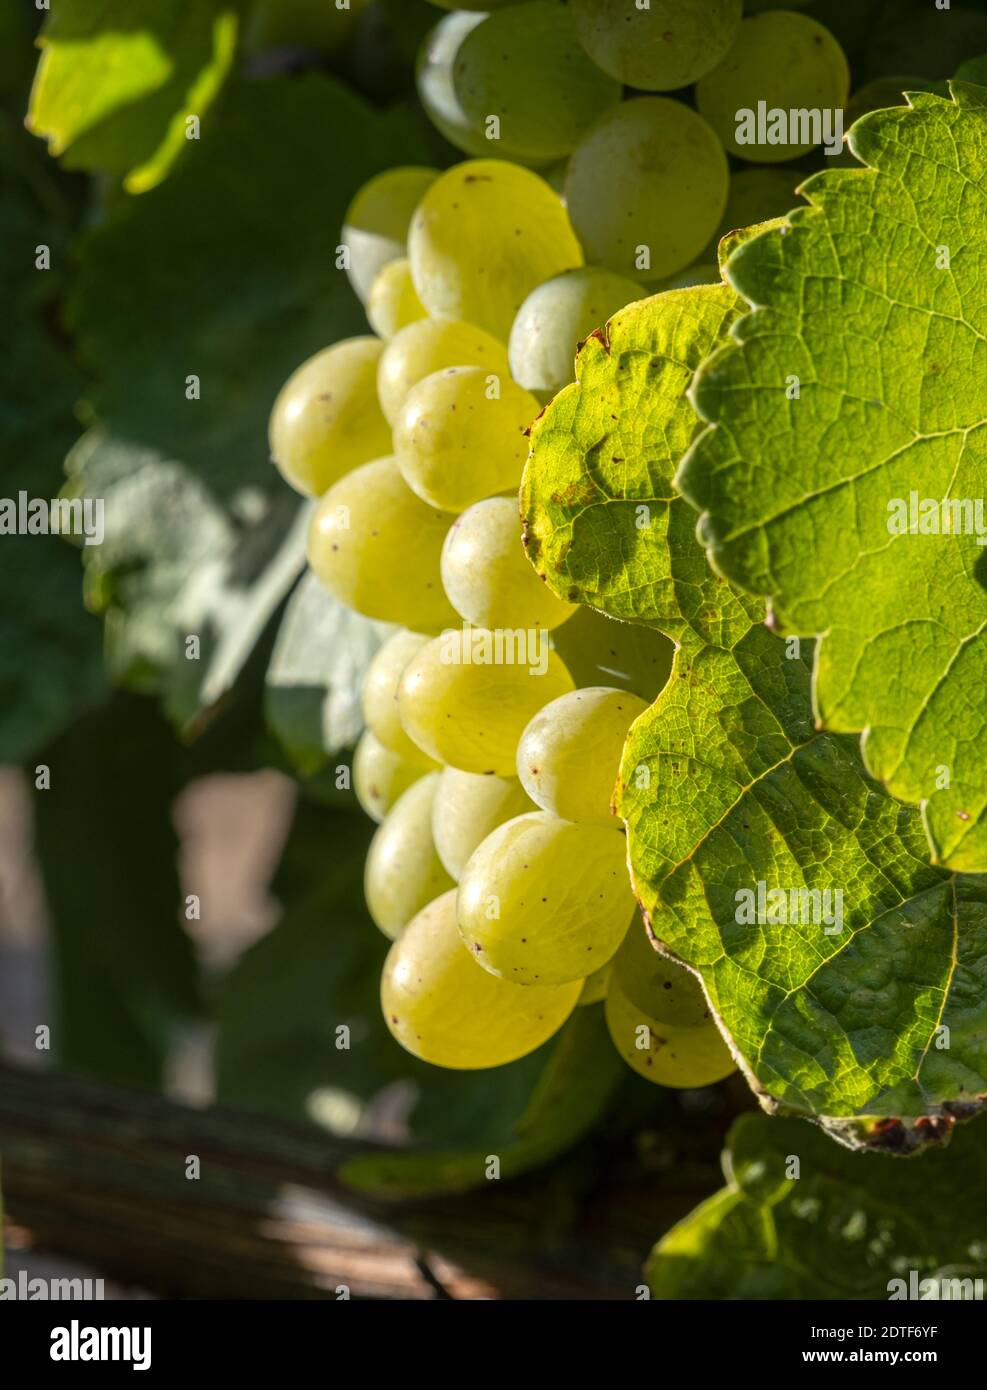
point(526, 68)
point(682, 1058)
point(486, 573)
point(649, 174)
point(375, 228)
point(469, 712)
point(376, 547)
point(379, 695)
point(380, 776)
point(569, 754)
point(442, 1007)
point(393, 303)
point(485, 234)
point(467, 808)
point(545, 901)
point(326, 419)
point(665, 991)
point(430, 346)
point(661, 48)
point(403, 872)
point(595, 986)
point(784, 59)
point(556, 317)
point(456, 444)
point(602, 651)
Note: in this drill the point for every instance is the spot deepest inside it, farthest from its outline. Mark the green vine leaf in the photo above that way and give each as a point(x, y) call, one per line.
point(118, 80)
point(847, 972)
point(876, 1230)
point(727, 788)
point(844, 472)
point(602, 523)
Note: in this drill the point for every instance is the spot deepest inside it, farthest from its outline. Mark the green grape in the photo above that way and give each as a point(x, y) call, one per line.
point(435, 80)
point(595, 986)
point(380, 775)
point(698, 274)
point(543, 901)
point(784, 60)
point(658, 49)
point(466, 696)
point(646, 188)
point(598, 650)
point(569, 755)
point(667, 992)
point(375, 228)
point(485, 234)
point(379, 695)
point(660, 1052)
point(757, 195)
point(429, 346)
point(403, 872)
point(517, 83)
point(443, 1008)
point(393, 303)
point(462, 435)
point(467, 808)
point(756, 6)
point(556, 317)
point(486, 573)
point(326, 419)
point(377, 547)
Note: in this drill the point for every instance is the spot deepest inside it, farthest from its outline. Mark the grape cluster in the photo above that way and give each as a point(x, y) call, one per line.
point(496, 711)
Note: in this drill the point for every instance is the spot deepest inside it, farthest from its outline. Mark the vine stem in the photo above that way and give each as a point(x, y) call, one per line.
point(98, 1172)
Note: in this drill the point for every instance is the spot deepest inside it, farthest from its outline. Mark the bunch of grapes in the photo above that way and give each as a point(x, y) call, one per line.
point(496, 712)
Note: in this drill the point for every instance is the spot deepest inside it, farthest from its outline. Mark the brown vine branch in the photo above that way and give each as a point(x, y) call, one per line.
point(99, 1173)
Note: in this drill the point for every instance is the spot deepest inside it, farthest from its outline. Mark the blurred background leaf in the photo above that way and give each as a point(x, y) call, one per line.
point(839, 1225)
point(116, 81)
point(313, 682)
point(50, 651)
point(125, 977)
point(206, 276)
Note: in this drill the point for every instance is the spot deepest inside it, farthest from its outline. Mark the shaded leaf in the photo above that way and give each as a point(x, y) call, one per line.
point(839, 1227)
point(313, 681)
point(125, 971)
point(581, 1073)
point(864, 998)
point(50, 662)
